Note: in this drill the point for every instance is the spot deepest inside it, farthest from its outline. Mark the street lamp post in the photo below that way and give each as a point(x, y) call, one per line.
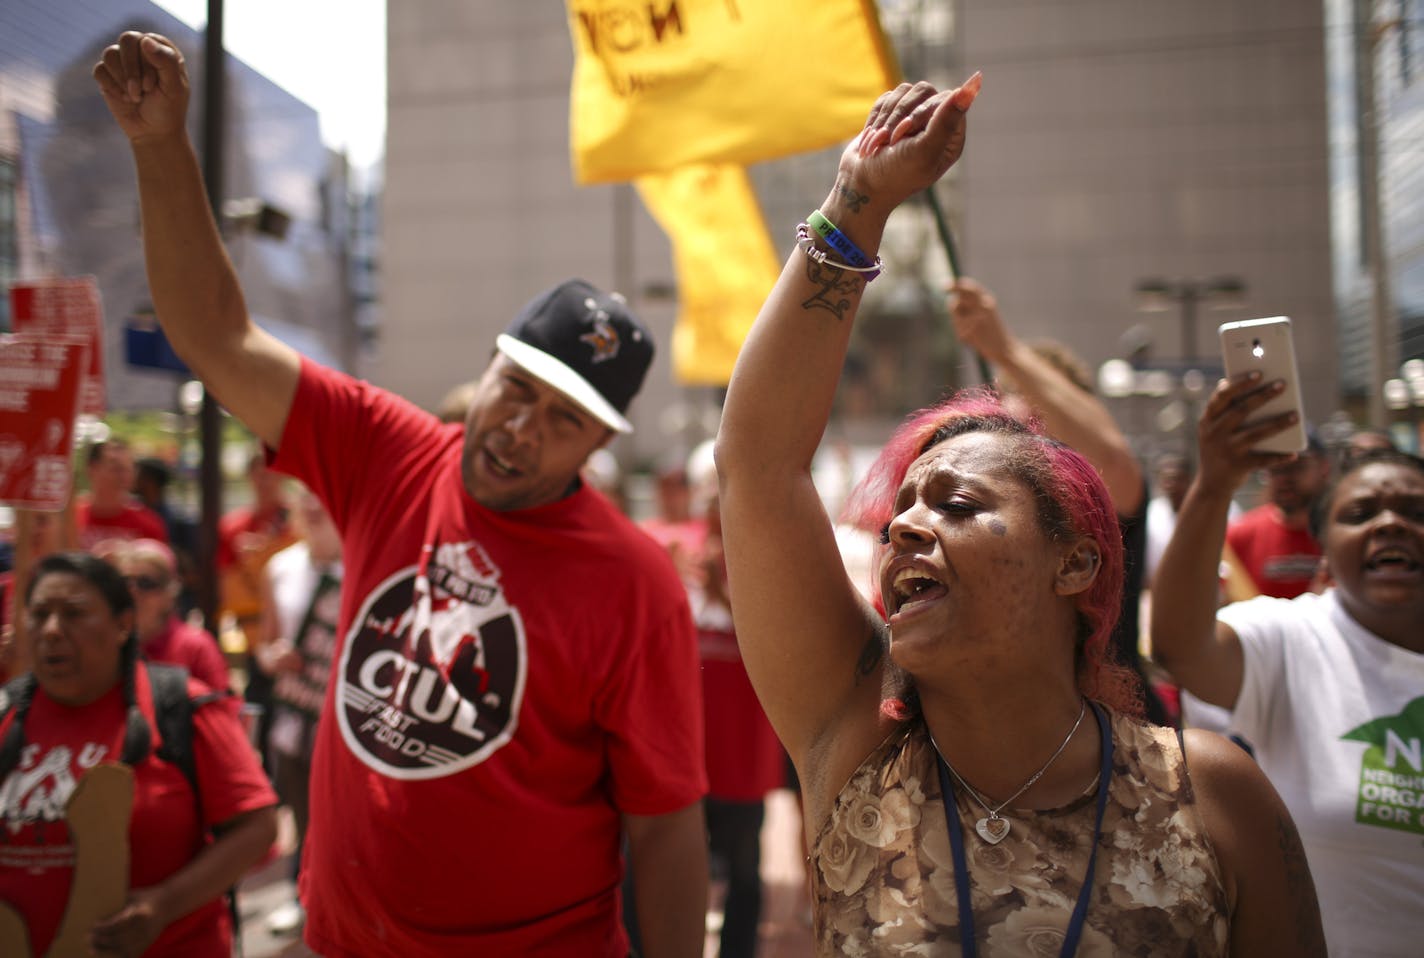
point(1157, 295)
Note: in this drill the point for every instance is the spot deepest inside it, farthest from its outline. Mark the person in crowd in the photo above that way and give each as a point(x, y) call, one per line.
point(516, 684)
point(673, 525)
point(151, 482)
point(1272, 542)
point(151, 571)
point(1003, 779)
point(109, 510)
point(1048, 381)
point(35, 534)
point(152, 477)
point(247, 537)
point(1173, 475)
point(1367, 440)
point(744, 759)
point(1328, 688)
point(302, 603)
point(89, 700)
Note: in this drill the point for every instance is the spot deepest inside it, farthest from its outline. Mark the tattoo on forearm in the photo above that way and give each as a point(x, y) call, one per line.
point(869, 659)
point(1300, 887)
point(836, 286)
point(854, 199)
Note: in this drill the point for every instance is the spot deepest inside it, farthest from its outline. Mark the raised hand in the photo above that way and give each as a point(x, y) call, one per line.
point(913, 135)
point(977, 324)
point(1225, 439)
point(144, 83)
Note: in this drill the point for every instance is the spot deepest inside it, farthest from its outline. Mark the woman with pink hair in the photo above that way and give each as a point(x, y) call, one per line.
point(974, 779)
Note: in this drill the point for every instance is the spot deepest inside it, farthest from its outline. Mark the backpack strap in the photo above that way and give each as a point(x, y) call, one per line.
point(10, 692)
point(19, 689)
point(173, 712)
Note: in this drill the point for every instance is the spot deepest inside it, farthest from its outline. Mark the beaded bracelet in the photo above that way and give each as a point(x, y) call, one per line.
point(808, 246)
point(840, 242)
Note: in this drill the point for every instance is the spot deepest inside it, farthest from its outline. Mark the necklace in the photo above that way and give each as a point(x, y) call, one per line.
point(993, 827)
point(961, 865)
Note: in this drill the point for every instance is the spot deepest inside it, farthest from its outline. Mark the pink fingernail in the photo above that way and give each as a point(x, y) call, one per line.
point(969, 91)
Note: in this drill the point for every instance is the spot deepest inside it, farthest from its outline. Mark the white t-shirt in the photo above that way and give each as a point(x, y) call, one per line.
point(1337, 718)
point(294, 576)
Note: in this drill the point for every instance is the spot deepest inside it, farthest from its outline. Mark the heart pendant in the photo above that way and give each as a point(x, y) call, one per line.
point(992, 830)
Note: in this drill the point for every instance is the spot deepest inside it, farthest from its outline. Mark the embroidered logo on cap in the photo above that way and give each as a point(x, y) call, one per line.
point(603, 337)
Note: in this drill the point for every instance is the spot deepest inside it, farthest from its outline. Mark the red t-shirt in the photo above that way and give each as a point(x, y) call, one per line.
point(194, 649)
point(1281, 561)
point(133, 521)
point(490, 719)
point(37, 855)
point(744, 756)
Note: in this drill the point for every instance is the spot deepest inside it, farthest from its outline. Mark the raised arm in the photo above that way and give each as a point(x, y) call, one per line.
point(810, 644)
point(1070, 415)
point(1204, 655)
point(195, 292)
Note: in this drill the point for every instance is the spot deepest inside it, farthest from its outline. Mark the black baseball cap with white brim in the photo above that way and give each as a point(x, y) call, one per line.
point(586, 344)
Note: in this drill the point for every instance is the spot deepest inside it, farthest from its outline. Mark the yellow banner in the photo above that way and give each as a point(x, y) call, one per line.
point(725, 262)
point(660, 84)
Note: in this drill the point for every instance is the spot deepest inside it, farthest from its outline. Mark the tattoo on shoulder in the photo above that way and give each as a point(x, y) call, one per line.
point(1300, 887)
point(854, 199)
point(870, 657)
point(835, 288)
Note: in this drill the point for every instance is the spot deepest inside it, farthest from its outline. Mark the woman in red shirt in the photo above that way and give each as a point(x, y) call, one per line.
point(89, 701)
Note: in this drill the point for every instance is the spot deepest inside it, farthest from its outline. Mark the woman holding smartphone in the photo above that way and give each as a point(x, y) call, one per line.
point(1329, 689)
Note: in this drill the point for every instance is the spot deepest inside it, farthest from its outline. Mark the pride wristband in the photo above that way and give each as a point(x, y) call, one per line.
point(838, 241)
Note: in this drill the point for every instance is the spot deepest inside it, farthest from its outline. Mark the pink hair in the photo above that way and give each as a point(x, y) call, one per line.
point(1072, 499)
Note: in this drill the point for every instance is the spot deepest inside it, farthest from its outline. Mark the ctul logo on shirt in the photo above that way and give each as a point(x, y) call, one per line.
point(432, 673)
point(1392, 770)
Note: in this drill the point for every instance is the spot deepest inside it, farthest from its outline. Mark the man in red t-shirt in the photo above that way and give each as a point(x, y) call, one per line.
point(110, 511)
point(1273, 541)
point(515, 686)
point(745, 759)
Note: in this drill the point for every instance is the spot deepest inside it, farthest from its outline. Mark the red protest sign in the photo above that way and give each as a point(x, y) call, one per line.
point(65, 308)
point(39, 396)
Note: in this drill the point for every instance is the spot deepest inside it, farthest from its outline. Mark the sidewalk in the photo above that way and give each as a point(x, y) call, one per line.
point(785, 929)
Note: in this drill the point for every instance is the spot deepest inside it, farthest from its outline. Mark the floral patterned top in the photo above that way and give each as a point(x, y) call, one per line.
point(883, 878)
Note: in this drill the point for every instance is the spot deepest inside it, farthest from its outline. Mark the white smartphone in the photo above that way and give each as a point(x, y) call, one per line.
point(1266, 345)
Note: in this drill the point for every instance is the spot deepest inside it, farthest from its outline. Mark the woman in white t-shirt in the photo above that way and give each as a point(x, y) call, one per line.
point(1328, 688)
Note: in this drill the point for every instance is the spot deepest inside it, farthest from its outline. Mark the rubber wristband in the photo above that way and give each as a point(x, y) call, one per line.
point(839, 242)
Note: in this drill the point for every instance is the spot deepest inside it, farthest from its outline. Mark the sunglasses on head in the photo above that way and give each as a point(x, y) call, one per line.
point(145, 583)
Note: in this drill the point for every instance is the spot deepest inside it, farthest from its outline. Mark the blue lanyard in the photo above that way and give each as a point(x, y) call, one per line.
point(967, 945)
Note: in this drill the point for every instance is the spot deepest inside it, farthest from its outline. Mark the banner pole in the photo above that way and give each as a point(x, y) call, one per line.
point(951, 252)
